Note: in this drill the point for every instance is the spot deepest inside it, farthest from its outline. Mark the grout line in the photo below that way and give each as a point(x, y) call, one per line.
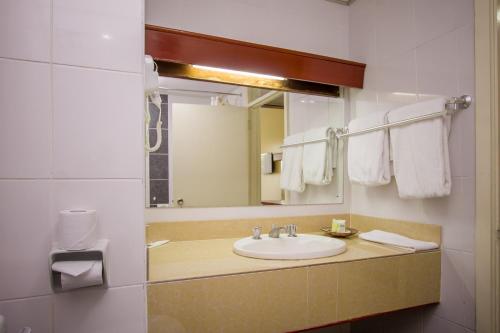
point(26, 60)
point(97, 68)
point(51, 294)
point(451, 321)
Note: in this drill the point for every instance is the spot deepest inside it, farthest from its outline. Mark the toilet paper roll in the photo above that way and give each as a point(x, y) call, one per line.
point(77, 229)
point(91, 277)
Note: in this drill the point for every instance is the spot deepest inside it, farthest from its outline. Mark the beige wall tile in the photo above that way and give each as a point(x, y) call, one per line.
point(421, 231)
point(260, 302)
point(178, 231)
point(322, 286)
point(419, 277)
point(368, 287)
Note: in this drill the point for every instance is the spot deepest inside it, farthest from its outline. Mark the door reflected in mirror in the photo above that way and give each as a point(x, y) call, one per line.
point(226, 145)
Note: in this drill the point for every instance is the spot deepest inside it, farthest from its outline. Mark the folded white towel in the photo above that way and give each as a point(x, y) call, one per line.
point(292, 178)
point(317, 160)
point(368, 154)
point(420, 151)
point(390, 238)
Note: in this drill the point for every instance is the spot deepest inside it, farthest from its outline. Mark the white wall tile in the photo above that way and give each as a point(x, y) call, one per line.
point(103, 34)
point(435, 324)
point(25, 238)
point(34, 312)
point(466, 59)
point(395, 31)
point(25, 29)
point(362, 41)
point(397, 80)
point(435, 18)
point(457, 301)
point(25, 112)
point(468, 275)
point(455, 213)
point(437, 67)
point(384, 201)
point(98, 119)
point(115, 310)
point(120, 212)
point(314, 26)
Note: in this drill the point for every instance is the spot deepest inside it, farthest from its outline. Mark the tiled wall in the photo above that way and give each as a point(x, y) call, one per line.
point(71, 109)
point(415, 49)
point(158, 160)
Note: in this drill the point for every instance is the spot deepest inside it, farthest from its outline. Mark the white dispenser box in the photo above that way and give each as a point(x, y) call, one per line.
point(84, 268)
point(266, 163)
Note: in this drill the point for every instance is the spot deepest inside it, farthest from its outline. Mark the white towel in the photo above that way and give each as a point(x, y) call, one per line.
point(390, 238)
point(420, 151)
point(368, 154)
point(292, 178)
point(317, 159)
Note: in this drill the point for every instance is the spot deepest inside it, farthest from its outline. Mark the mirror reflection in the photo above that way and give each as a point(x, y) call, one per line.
point(225, 145)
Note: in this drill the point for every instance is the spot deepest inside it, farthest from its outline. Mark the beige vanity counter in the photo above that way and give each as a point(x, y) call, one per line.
point(205, 258)
point(202, 286)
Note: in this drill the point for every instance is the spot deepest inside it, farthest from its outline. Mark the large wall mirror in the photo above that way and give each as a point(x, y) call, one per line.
point(229, 145)
point(243, 124)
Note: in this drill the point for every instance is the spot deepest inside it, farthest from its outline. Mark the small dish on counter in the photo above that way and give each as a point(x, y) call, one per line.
point(349, 232)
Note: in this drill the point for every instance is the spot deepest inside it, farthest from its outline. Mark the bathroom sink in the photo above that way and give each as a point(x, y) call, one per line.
point(301, 247)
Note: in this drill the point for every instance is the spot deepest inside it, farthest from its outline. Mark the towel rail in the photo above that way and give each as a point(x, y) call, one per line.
point(454, 104)
point(327, 139)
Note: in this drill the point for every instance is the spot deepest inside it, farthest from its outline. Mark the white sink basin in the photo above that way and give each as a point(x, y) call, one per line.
point(300, 247)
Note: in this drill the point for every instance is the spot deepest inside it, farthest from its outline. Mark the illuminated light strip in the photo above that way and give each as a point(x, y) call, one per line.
point(232, 71)
point(398, 93)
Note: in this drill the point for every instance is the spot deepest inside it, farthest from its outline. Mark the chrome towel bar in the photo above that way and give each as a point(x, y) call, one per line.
point(453, 104)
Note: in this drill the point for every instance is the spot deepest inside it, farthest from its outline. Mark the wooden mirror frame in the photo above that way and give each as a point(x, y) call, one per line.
point(175, 52)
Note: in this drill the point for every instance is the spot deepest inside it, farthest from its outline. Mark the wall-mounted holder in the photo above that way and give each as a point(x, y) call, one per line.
point(98, 253)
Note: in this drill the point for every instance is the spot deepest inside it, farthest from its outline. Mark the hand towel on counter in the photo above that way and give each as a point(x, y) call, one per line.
point(292, 178)
point(78, 274)
point(318, 157)
point(420, 151)
point(389, 238)
point(368, 154)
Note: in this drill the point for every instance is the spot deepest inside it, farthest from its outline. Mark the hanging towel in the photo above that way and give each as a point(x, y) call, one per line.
point(390, 238)
point(317, 160)
point(420, 151)
point(368, 154)
point(292, 178)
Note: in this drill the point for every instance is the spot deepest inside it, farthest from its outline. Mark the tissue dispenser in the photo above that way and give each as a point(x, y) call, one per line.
point(96, 253)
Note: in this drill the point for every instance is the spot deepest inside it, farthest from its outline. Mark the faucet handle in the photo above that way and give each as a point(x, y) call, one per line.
point(256, 231)
point(291, 229)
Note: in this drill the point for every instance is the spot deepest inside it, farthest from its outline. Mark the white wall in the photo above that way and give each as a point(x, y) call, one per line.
point(315, 26)
point(71, 107)
point(415, 49)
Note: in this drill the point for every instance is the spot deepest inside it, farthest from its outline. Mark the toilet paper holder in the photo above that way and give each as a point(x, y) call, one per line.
point(98, 252)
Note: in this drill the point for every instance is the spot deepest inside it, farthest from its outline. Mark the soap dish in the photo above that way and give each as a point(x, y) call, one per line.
point(349, 232)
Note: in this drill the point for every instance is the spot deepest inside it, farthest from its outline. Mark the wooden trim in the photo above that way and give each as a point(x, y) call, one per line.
point(193, 48)
point(487, 170)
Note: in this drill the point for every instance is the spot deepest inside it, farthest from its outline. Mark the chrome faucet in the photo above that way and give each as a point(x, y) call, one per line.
point(256, 231)
point(291, 229)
